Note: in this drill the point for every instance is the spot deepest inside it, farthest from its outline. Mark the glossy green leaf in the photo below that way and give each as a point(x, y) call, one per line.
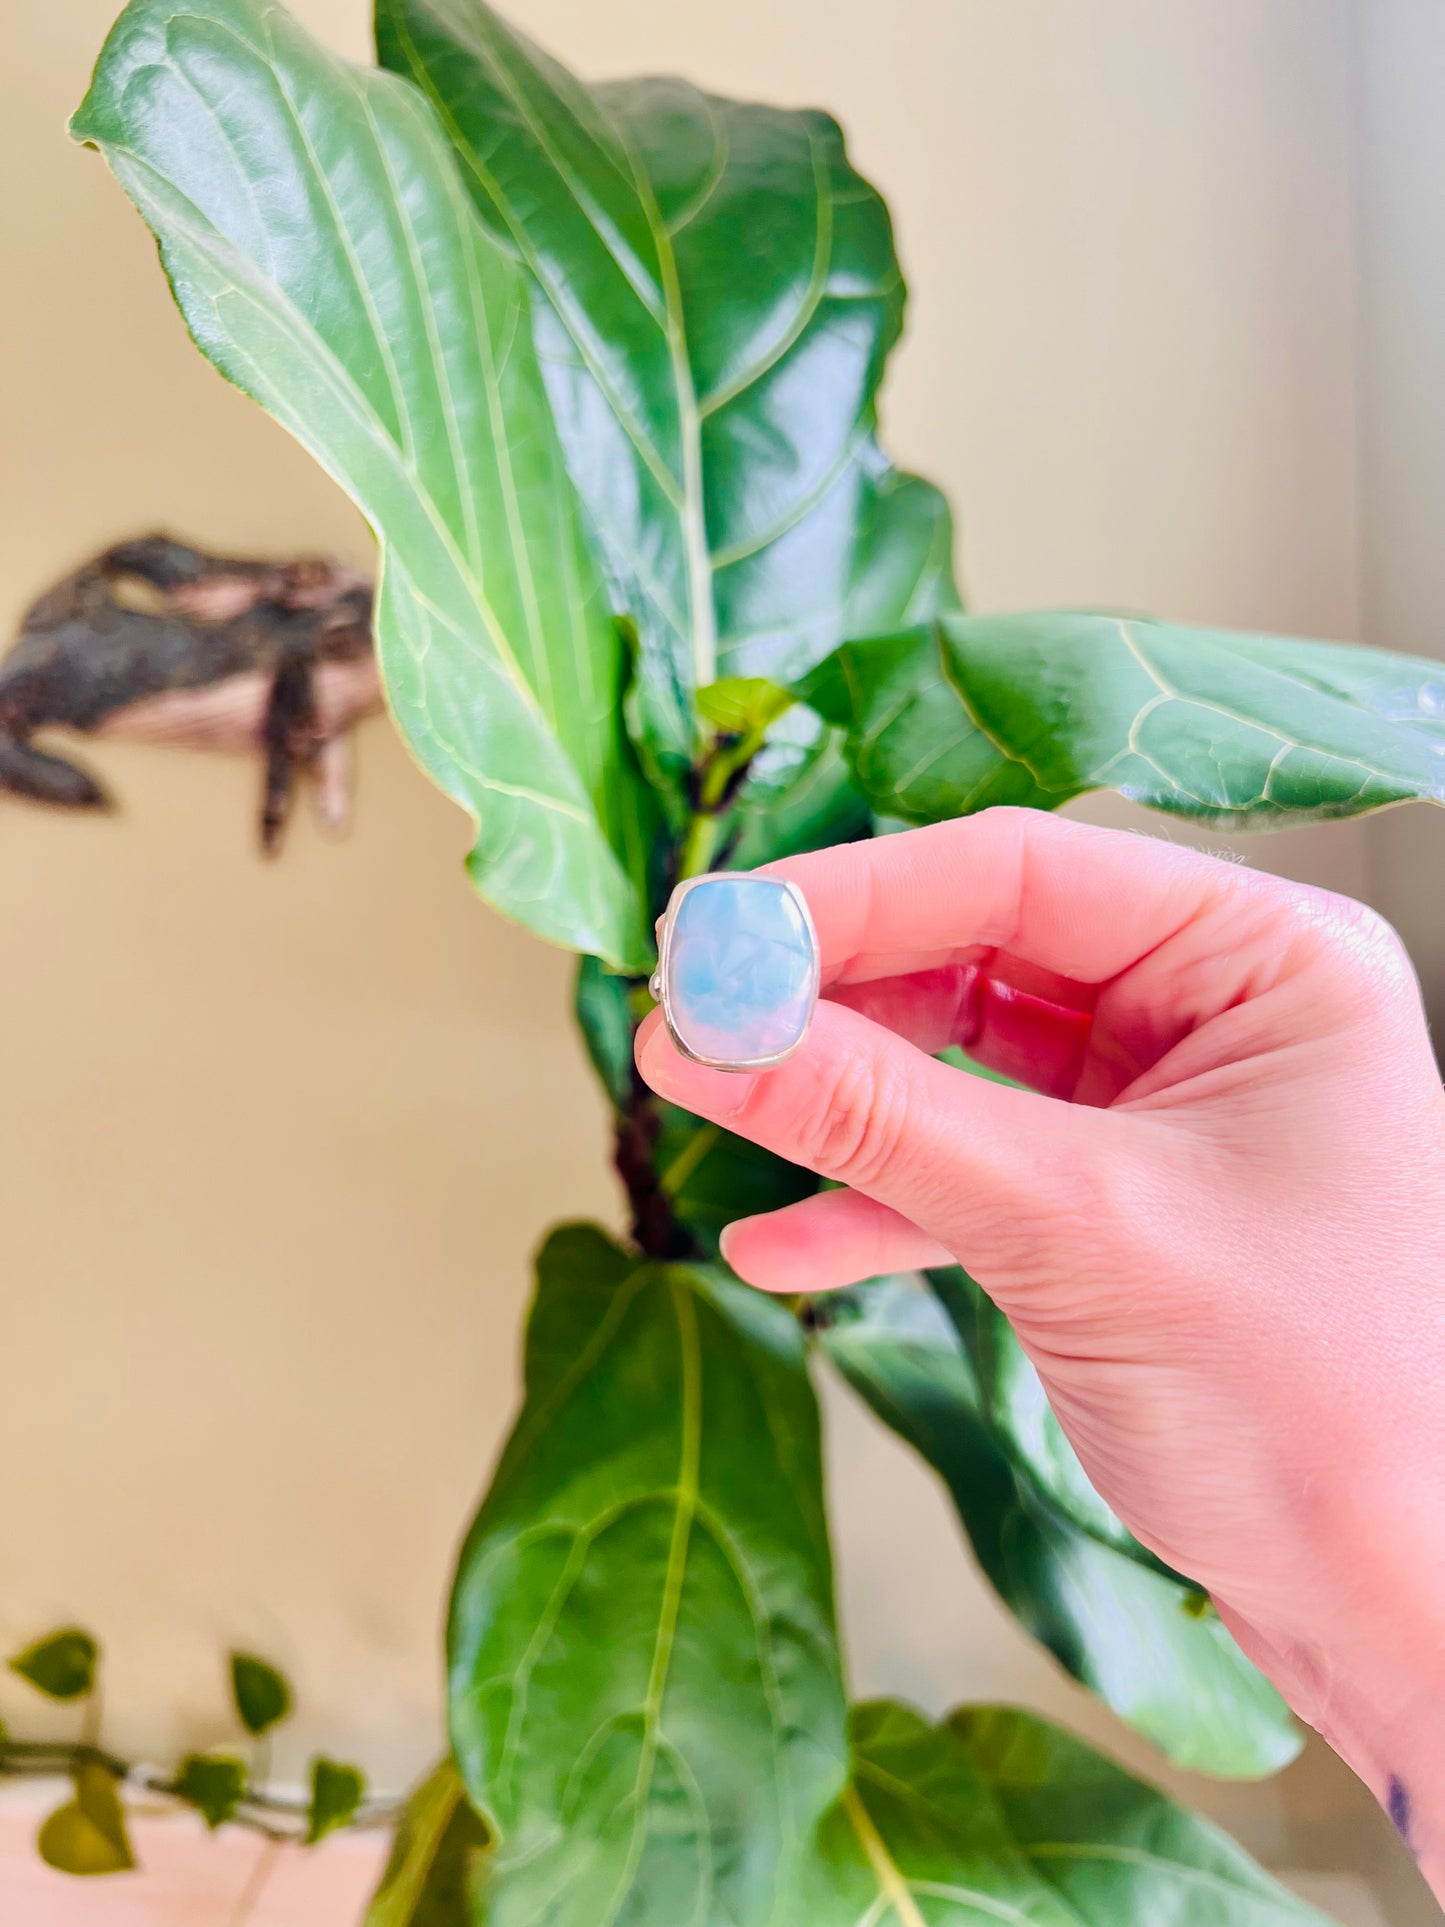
point(719, 292)
point(212, 1783)
point(743, 705)
point(995, 1816)
point(602, 1005)
point(1235, 730)
point(916, 1841)
point(62, 1664)
point(337, 1791)
point(800, 793)
point(644, 1687)
point(799, 796)
point(902, 568)
point(262, 1696)
point(1128, 1632)
point(326, 259)
point(1113, 1848)
point(712, 1176)
point(436, 1859)
point(88, 1834)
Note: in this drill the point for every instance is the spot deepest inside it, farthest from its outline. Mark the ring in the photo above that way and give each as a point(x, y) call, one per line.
point(738, 967)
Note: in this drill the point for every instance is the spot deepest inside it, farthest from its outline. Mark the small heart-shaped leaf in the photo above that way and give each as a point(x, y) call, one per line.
point(336, 1792)
point(62, 1664)
point(213, 1783)
point(262, 1695)
point(88, 1834)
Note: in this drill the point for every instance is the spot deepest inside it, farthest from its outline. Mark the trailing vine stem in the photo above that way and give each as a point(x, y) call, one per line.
point(278, 1816)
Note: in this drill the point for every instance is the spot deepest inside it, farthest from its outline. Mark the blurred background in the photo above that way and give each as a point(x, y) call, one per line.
point(277, 1141)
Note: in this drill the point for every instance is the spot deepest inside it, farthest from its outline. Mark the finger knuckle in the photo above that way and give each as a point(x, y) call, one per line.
point(856, 1122)
point(1375, 946)
point(1362, 949)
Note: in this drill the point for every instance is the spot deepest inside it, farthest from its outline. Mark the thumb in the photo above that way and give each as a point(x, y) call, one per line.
point(981, 1168)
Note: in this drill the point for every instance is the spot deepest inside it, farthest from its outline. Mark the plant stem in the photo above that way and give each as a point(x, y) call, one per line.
point(655, 1231)
point(264, 1867)
point(699, 845)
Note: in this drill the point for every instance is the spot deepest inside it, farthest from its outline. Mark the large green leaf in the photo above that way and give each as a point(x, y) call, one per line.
point(996, 1816)
point(711, 1176)
point(916, 1840)
point(1235, 730)
point(799, 796)
point(718, 291)
point(1133, 1635)
point(603, 1005)
point(1112, 1847)
point(436, 1859)
point(644, 1687)
point(326, 259)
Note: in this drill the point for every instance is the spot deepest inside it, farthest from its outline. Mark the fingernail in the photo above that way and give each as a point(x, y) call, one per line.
point(724, 1239)
point(696, 1087)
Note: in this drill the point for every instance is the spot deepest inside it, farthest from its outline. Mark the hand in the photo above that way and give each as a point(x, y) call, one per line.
point(1218, 1229)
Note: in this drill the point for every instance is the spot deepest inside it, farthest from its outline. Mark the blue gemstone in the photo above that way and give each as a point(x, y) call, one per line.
point(741, 969)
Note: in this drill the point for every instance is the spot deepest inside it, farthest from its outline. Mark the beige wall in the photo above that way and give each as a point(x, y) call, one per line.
point(278, 1140)
point(1401, 58)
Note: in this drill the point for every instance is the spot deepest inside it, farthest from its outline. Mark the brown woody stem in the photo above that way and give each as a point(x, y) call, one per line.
point(655, 1230)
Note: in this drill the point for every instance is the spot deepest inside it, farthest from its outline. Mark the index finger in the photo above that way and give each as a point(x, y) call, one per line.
point(1079, 902)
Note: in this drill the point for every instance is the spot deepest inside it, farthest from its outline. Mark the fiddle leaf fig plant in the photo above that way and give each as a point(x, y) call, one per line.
point(715, 291)
point(600, 365)
point(1238, 731)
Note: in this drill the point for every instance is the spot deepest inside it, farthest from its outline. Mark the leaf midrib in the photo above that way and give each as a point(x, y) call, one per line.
point(891, 1883)
point(685, 1511)
point(692, 512)
point(686, 496)
point(343, 235)
point(908, 1794)
point(421, 76)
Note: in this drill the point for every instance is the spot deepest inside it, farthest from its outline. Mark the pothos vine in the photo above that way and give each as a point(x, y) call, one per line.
point(89, 1833)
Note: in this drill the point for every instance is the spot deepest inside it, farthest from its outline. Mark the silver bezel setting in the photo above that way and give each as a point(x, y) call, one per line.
point(661, 988)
